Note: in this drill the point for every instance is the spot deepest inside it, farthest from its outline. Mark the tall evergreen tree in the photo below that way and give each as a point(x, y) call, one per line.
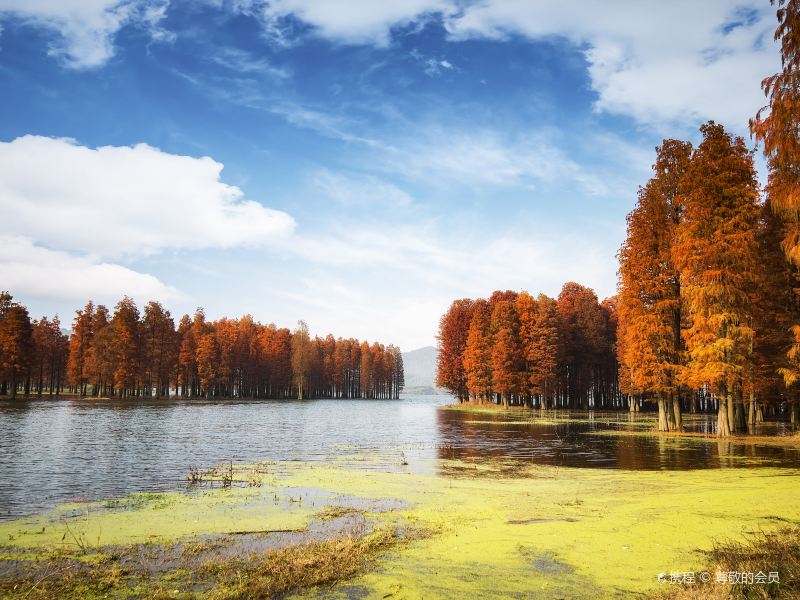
point(650, 286)
point(16, 347)
point(717, 255)
point(478, 353)
point(452, 342)
point(507, 354)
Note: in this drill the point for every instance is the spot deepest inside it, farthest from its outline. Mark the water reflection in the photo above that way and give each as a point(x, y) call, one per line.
point(580, 440)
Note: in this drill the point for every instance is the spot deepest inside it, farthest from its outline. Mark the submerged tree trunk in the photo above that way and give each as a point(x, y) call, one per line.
point(723, 425)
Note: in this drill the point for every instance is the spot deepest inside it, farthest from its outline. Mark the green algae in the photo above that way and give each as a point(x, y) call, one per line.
point(158, 518)
point(547, 532)
point(614, 531)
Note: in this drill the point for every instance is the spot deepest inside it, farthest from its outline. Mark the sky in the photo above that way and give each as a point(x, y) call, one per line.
point(352, 163)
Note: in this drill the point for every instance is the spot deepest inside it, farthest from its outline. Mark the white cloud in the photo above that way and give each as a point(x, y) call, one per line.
point(656, 61)
point(348, 21)
point(85, 29)
point(31, 271)
point(71, 213)
point(433, 67)
point(115, 202)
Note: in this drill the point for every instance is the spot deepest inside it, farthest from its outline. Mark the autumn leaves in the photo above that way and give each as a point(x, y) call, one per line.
point(708, 271)
point(700, 262)
point(520, 350)
point(128, 354)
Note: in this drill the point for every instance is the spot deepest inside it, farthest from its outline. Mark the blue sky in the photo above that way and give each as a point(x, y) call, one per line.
point(355, 164)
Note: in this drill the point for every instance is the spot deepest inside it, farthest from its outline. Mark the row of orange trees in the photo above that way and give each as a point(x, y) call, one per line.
point(704, 317)
point(520, 350)
point(129, 353)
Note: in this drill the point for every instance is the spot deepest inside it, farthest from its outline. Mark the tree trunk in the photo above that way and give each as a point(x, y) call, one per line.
point(740, 417)
point(663, 423)
point(723, 425)
point(731, 414)
point(676, 412)
point(751, 414)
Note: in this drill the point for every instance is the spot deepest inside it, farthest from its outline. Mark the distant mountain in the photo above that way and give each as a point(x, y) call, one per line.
point(420, 371)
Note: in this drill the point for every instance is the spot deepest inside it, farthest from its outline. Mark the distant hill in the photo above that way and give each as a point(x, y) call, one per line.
point(420, 371)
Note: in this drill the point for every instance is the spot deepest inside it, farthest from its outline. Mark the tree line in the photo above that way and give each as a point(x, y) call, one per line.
point(707, 315)
point(521, 350)
point(133, 354)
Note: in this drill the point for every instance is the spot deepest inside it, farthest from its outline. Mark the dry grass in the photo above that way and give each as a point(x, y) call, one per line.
point(295, 567)
point(268, 575)
point(68, 580)
point(764, 552)
point(334, 512)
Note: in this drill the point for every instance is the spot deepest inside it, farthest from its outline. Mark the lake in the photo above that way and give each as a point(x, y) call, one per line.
point(52, 451)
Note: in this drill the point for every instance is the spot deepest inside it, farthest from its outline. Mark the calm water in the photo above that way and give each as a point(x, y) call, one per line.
point(56, 450)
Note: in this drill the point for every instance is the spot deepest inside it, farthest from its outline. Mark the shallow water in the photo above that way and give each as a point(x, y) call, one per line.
point(52, 451)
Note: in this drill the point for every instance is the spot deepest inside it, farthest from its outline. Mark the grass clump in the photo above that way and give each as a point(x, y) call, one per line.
point(336, 511)
point(761, 553)
point(69, 580)
point(297, 567)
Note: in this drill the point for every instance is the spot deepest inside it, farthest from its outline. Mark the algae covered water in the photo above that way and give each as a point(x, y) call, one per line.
point(53, 451)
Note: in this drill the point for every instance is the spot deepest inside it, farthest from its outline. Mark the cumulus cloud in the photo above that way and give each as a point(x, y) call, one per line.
point(33, 271)
point(84, 29)
point(71, 213)
point(127, 201)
